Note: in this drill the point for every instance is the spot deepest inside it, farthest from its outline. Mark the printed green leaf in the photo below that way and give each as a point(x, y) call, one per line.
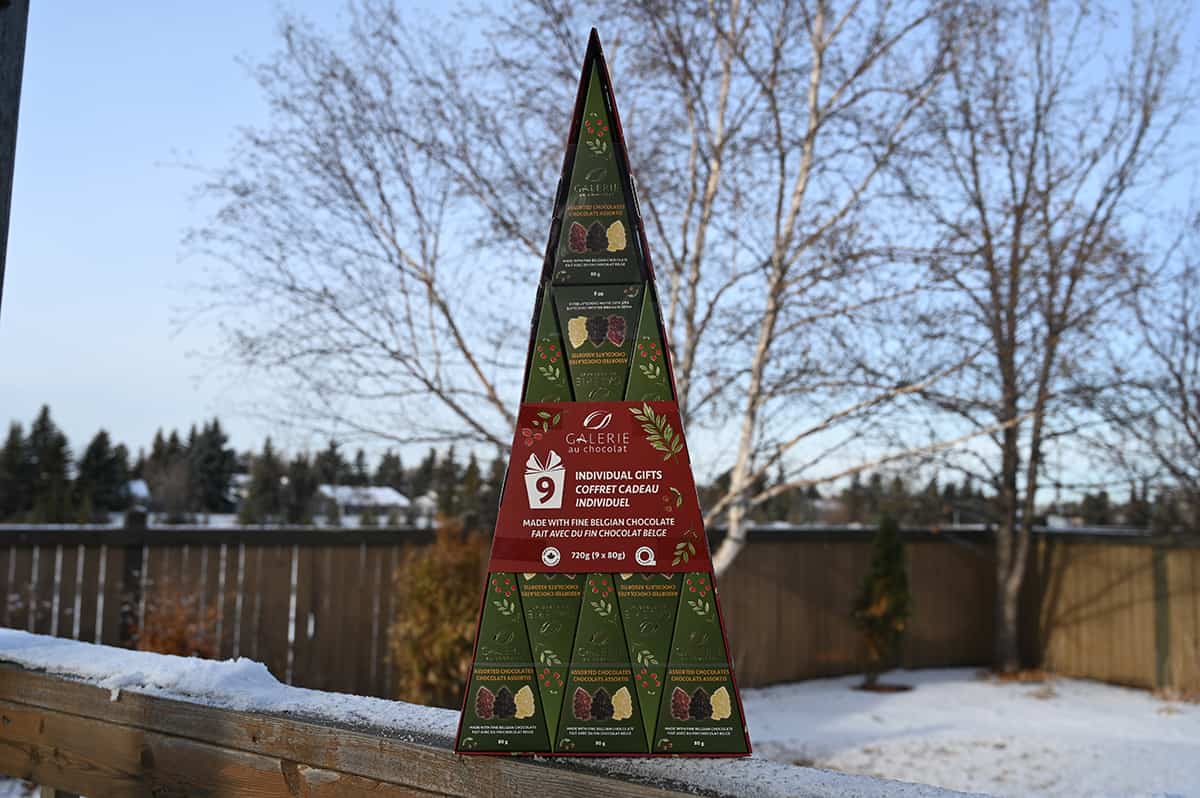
point(658, 430)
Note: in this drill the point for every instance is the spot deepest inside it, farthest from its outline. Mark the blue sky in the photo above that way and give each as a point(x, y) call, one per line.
point(114, 97)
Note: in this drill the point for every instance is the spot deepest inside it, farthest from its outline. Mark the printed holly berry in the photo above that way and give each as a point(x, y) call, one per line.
point(597, 328)
point(505, 706)
point(681, 705)
point(551, 678)
point(649, 679)
point(700, 707)
point(595, 125)
point(485, 703)
point(616, 330)
point(597, 238)
point(602, 705)
point(582, 704)
point(548, 351)
point(577, 237)
point(649, 350)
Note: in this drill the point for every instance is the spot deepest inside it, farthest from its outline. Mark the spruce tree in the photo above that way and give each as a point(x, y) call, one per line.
point(212, 468)
point(51, 457)
point(446, 483)
point(390, 473)
point(332, 468)
point(471, 490)
point(361, 473)
point(884, 604)
point(16, 476)
point(264, 496)
point(100, 478)
point(422, 477)
point(300, 492)
point(489, 502)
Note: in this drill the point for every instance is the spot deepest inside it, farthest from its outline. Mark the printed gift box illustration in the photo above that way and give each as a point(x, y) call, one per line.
point(600, 630)
point(544, 481)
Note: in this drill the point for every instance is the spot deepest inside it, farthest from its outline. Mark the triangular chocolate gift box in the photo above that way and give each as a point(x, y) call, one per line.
point(599, 558)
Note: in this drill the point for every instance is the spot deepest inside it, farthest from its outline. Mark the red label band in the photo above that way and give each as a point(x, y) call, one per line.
point(599, 486)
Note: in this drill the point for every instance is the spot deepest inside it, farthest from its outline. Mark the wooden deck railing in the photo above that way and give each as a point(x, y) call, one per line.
point(77, 738)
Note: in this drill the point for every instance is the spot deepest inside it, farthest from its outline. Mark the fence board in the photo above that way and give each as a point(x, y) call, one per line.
point(1183, 576)
point(64, 601)
point(302, 650)
point(275, 581)
point(89, 591)
point(43, 590)
point(7, 554)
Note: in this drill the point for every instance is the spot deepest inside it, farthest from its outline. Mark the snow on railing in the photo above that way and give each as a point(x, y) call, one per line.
point(103, 721)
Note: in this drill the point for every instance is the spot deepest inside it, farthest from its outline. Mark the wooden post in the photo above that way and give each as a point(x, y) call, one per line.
point(14, 18)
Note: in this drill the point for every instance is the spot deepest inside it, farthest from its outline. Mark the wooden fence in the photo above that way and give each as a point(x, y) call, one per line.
point(316, 605)
point(313, 605)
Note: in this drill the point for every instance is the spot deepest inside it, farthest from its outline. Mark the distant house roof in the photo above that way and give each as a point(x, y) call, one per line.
point(138, 489)
point(368, 496)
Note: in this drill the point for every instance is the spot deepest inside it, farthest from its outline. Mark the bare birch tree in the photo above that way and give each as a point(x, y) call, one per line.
point(382, 232)
point(1051, 130)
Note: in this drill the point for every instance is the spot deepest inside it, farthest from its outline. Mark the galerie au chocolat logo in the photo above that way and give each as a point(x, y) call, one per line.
point(595, 437)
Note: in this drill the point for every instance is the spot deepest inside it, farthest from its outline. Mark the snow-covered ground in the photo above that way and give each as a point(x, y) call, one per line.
point(959, 730)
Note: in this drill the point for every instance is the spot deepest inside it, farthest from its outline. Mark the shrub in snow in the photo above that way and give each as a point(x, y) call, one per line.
point(884, 604)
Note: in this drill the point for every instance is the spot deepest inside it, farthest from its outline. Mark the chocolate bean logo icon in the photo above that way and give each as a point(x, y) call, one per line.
point(597, 419)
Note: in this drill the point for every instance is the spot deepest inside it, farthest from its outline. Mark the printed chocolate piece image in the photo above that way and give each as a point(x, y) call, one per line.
point(681, 705)
point(504, 706)
point(616, 330)
point(524, 702)
point(577, 238)
point(485, 702)
point(616, 236)
point(700, 707)
point(577, 331)
point(602, 705)
point(622, 703)
point(582, 706)
point(597, 239)
point(721, 707)
point(597, 329)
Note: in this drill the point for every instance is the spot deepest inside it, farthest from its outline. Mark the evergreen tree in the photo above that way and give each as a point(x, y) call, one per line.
point(300, 491)
point(212, 469)
point(1096, 509)
point(101, 477)
point(489, 502)
point(422, 478)
point(332, 468)
point(51, 458)
point(446, 483)
point(16, 476)
point(1137, 509)
point(361, 473)
point(264, 500)
point(883, 606)
point(471, 491)
point(390, 473)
